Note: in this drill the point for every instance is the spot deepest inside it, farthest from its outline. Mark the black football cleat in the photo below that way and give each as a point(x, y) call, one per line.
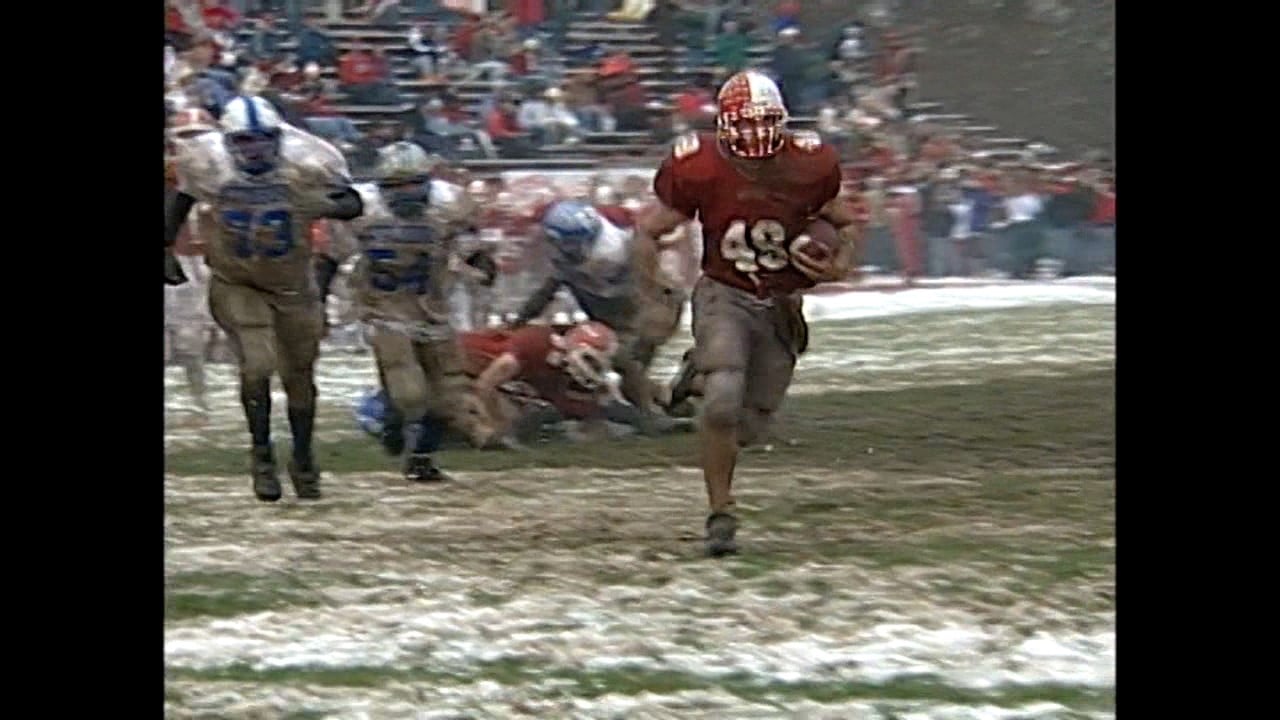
point(419, 468)
point(306, 479)
point(721, 527)
point(266, 486)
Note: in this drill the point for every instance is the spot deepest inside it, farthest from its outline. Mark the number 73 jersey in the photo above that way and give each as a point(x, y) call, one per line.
point(262, 224)
point(751, 211)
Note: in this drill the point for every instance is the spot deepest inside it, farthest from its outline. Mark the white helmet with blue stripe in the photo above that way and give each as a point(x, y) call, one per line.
point(251, 128)
point(572, 226)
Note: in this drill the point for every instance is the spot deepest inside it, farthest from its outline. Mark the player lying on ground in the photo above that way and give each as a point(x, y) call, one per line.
point(407, 242)
point(617, 282)
point(266, 181)
point(757, 190)
point(567, 371)
point(529, 379)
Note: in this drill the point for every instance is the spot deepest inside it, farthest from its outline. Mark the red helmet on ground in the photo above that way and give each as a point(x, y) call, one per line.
point(751, 116)
point(589, 349)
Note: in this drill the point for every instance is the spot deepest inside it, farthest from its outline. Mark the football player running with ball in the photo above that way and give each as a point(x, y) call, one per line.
point(266, 181)
point(764, 196)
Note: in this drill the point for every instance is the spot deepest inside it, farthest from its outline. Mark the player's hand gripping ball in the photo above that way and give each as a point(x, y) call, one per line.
point(814, 251)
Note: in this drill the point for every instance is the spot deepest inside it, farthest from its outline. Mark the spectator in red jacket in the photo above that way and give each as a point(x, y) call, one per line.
point(622, 94)
point(1103, 226)
point(366, 76)
point(465, 35)
point(528, 14)
point(505, 131)
point(695, 104)
point(219, 15)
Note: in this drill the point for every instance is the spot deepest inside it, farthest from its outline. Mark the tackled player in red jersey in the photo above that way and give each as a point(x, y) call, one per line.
point(568, 371)
point(756, 188)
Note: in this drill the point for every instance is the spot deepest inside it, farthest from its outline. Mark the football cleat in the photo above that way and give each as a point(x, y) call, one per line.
point(306, 479)
point(721, 528)
point(266, 486)
point(419, 468)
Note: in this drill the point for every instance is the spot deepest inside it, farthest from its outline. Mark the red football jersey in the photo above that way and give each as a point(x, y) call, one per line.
point(749, 222)
point(541, 365)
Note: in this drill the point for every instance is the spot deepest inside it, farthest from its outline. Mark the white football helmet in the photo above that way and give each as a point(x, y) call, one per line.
point(251, 128)
point(752, 116)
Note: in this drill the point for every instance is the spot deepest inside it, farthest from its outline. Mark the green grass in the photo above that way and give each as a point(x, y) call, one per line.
point(589, 684)
point(994, 499)
point(1001, 424)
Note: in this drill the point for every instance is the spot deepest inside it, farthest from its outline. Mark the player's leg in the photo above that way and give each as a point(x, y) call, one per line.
point(246, 318)
point(188, 350)
point(299, 327)
point(392, 437)
point(687, 383)
point(778, 338)
point(403, 378)
point(722, 339)
point(447, 385)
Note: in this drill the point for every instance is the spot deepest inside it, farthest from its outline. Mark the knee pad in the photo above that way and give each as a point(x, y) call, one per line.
point(722, 398)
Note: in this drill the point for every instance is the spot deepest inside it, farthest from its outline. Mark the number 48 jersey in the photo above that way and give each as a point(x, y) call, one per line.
point(261, 225)
point(751, 210)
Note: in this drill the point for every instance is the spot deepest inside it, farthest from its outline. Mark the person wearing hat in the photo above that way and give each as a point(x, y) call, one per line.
point(562, 125)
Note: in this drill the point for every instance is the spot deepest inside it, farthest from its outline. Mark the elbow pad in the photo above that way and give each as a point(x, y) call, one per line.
point(346, 205)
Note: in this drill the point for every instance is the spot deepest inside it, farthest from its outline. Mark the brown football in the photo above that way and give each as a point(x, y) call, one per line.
point(818, 242)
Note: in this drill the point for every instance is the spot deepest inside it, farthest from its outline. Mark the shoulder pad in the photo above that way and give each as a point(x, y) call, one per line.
point(806, 140)
point(202, 166)
point(317, 158)
point(685, 146)
point(451, 202)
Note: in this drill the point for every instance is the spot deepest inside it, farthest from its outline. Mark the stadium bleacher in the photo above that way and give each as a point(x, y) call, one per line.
point(662, 72)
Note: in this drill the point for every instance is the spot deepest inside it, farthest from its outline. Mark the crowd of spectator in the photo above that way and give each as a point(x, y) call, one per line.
point(940, 204)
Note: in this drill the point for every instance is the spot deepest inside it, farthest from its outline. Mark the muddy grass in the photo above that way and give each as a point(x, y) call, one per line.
point(944, 551)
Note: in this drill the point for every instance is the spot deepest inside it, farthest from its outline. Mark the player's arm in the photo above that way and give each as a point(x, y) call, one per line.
point(176, 211)
point(538, 301)
point(675, 204)
point(325, 167)
point(844, 216)
point(503, 369)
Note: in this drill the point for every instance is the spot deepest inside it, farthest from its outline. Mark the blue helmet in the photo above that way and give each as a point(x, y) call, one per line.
point(572, 226)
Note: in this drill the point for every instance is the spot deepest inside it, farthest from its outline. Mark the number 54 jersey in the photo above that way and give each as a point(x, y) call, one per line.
point(406, 267)
point(751, 210)
point(261, 225)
